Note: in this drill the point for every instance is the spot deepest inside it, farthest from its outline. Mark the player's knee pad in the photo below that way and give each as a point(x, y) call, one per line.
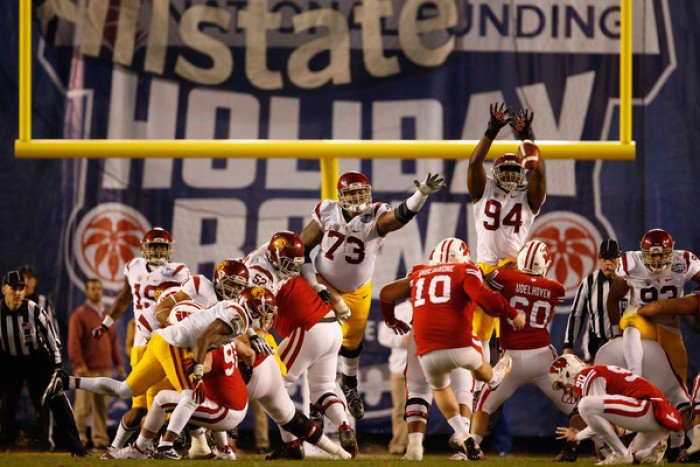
point(416, 410)
point(646, 328)
point(351, 353)
point(303, 428)
point(326, 400)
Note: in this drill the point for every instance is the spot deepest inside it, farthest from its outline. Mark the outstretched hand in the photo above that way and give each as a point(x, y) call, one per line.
point(522, 124)
point(431, 184)
point(500, 116)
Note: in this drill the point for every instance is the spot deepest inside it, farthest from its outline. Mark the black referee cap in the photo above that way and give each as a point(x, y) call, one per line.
point(609, 249)
point(14, 279)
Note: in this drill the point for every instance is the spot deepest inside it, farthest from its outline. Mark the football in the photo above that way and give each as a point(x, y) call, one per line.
point(182, 310)
point(529, 154)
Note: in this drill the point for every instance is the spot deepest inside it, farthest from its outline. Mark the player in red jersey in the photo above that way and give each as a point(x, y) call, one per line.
point(312, 340)
point(535, 298)
point(222, 410)
point(608, 395)
point(444, 295)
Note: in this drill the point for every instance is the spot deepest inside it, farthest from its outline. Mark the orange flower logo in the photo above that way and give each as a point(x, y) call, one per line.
point(108, 237)
point(573, 243)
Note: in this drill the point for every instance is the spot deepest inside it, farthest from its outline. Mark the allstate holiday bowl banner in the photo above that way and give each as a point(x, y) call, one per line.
point(372, 69)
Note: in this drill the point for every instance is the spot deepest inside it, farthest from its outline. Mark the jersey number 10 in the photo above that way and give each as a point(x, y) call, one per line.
point(433, 296)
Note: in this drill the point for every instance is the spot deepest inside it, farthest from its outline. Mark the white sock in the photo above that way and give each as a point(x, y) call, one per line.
point(105, 386)
point(632, 349)
point(326, 445)
point(123, 433)
point(467, 422)
point(142, 442)
point(286, 436)
point(486, 351)
point(165, 444)
point(183, 412)
point(457, 424)
point(221, 438)
point(349, 365)
point(336, 414)
point(477, 438)
point(415, 439)
point(493, 380)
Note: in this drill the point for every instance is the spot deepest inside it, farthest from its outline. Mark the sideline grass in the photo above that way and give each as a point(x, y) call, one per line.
point(28, 459)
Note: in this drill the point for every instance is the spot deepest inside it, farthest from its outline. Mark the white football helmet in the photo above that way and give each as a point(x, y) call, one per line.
point(534, 258)
point(562, 374)
point(450, 250)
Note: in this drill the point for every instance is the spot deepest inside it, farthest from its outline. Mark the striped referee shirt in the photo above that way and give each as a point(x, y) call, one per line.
point(590, 302)
point(28, 330)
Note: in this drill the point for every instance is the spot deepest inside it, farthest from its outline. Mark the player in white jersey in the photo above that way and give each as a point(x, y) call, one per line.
point(350, 232)
point(657, 272)
point(142, 276)
point(505, 203)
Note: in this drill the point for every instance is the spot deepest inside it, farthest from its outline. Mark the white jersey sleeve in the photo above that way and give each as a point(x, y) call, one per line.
point(348, 249)
point(185, 333)
point(201, 290)
point(503, 221)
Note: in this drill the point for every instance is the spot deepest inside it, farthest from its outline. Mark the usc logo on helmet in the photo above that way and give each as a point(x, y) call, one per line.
point(279, 243)
point(258, 292)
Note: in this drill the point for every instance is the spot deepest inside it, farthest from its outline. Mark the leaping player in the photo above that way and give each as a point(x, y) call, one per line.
point(505, 203)
point(350, 232)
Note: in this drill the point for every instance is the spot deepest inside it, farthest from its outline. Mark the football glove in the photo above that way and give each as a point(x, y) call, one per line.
point(260, 346)
point(342, 311)
point(498, 119)
point(521, 123)
point(431, 184)
point(99, 331)
point(323, 293)
point(198, 394)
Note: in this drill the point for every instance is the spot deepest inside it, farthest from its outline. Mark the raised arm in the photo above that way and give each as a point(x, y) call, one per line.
point(389, 295)
point(476, 173)
point(402, 215)
point(521, 123)
point(121, 303)
point(618, 290)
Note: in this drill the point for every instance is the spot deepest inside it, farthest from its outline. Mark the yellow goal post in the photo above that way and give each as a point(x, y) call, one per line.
point(326, 151)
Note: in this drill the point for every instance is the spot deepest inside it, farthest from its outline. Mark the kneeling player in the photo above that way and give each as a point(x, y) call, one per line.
point(534, 297)
point(610, 395)
point(222, 409)
point(444, 295)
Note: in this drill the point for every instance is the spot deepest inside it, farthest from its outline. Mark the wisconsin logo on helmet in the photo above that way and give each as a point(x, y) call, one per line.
point(450, 250)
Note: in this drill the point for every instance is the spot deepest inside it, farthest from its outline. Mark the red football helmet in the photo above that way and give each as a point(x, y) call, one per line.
point(157, 246)
point(657, 250)
point(354, 192)
point(230, 278)
point(259, 303)
point(508, 172)
point(286, 252)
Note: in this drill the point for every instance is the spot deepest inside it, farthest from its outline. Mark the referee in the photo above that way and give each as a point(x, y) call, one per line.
point(30, 350)
point(590, 302)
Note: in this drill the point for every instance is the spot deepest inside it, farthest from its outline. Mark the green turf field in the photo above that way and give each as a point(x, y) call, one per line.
point(26, 459)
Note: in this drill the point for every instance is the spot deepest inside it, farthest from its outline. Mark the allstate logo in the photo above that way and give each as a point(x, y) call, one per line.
point(107, 238)
point(573, 243)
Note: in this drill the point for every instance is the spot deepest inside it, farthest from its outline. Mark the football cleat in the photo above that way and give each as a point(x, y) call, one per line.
point(615, 459)
point(348, 440)
point(225, 453)
point(501, 370)
point(199, 449)
point(129, 452)
point(413, 453)
point(459, 456)
point(291, 450)
point(57, 384)
point(167, 453)
point(687, 457)
point(473, 451)
point(108, 452)
point(656, 456)
point(352, 397)
point(316, 415)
